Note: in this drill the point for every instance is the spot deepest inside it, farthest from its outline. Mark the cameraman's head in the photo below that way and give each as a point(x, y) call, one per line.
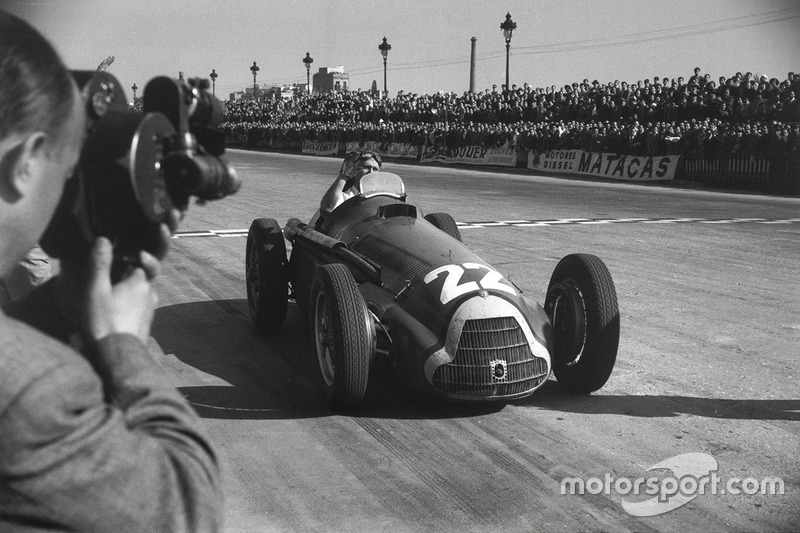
point(41, 133)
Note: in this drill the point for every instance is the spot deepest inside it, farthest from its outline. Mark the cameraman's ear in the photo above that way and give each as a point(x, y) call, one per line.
point(20, 165)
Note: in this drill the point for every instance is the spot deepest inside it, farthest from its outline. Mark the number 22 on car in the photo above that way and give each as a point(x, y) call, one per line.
point(453, 288)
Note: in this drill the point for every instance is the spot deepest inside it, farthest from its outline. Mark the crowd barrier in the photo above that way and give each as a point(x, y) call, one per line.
point(743, 171)
point(751, 172)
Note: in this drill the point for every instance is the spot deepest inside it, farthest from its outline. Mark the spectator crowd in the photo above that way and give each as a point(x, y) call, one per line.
point(744, 114)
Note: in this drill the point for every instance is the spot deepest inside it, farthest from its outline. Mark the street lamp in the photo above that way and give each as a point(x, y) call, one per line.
point(213, 77)
point(134, 88)
point(508, 27)
point(254, 69)
point(308, 60)
point(384, 47)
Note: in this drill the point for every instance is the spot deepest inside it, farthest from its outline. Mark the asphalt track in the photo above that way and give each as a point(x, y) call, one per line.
point(708, 364)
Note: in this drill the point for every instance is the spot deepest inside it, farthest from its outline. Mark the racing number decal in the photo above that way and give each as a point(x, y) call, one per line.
point(452, 288)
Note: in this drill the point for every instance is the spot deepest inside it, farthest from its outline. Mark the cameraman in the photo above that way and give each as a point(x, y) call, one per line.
point(90, 440)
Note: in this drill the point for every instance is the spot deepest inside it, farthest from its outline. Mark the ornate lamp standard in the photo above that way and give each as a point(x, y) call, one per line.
point(134, 88)
point(254, 69)
point(384, 47)
point(308, 60)
point(508, 27)
point(213, 77)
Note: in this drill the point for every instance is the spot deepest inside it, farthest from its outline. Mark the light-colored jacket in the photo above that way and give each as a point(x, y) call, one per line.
point(98, 441)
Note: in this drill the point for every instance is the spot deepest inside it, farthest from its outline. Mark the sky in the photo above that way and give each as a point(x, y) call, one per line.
point(556, 41)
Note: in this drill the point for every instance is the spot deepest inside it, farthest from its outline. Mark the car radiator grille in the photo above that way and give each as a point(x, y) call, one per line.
point(493, 360)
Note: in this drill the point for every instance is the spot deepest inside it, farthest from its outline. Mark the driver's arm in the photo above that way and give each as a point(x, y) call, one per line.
point(344, 181)
point(334, 195)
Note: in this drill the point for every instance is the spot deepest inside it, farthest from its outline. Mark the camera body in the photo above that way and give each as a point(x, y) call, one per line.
point(136, 167)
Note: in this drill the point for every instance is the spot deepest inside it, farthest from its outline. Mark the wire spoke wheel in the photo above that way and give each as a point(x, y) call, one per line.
point(344, 335)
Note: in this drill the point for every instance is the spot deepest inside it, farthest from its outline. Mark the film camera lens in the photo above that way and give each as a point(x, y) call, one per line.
point(135, 167)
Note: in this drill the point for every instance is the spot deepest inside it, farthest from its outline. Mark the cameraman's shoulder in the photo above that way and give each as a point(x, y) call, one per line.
point(29, 357)
point(16, 332)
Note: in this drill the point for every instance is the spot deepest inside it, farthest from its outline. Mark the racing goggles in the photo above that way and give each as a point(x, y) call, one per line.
point(366, 156)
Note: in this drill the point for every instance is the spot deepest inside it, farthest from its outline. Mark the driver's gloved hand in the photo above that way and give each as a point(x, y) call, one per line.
point(350, 165)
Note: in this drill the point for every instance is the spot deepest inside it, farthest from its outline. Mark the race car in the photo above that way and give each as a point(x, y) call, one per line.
point(387, 288)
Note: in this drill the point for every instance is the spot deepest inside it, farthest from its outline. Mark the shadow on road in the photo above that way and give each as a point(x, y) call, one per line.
point(554, 398)
point(272, 376)
point(276, 377)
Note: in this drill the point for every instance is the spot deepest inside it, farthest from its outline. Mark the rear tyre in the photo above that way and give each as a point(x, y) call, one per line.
point(266, 270)
point(582, 305)
point(445, 222)
point(343, 334)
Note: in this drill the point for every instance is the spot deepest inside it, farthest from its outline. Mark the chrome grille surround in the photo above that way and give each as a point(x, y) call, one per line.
point(490, 353)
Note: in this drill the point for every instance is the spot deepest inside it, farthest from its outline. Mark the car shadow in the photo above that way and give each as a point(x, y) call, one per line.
point(552, 397)
point(253, 375)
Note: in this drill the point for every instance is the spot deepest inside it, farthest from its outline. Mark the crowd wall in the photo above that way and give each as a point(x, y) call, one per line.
point(726, 170)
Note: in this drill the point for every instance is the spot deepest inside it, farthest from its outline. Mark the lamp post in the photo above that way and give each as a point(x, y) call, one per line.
point(308, 60)
point(384, 47)
point(134, 88)
point(508, 27)
point(254, 69)
point(213, 77)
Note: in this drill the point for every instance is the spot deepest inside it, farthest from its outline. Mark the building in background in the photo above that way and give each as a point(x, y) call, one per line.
point(269, 92)
point(326, 80)
point(331, 79)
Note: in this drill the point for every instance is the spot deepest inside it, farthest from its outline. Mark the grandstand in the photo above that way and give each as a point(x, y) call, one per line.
point(738, 131)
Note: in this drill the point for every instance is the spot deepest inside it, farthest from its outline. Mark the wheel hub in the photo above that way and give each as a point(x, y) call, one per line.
point(568, 318)
point(324, 341)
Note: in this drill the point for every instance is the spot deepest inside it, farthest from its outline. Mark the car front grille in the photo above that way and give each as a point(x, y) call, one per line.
point(493, 360)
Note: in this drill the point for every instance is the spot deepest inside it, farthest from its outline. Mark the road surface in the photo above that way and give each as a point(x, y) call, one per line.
point(709, 295)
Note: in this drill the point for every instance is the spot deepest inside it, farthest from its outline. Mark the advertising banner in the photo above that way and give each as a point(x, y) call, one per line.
point(402, 151)
point(366, 146)
point(604, 165)
point(502, 156)
point(320, 147)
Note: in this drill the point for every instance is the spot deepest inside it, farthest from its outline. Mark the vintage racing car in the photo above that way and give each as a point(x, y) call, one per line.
point(384, 285)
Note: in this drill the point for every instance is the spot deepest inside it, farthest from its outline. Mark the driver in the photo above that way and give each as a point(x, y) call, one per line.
point(347, 184)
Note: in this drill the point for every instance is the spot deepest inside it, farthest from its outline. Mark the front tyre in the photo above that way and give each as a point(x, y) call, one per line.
point(343, 334)
point(446, 223)
point(266, 276)
point(582, 305)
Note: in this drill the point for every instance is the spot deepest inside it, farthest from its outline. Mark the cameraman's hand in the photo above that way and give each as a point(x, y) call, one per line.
point(165, 231)
point(128, 306)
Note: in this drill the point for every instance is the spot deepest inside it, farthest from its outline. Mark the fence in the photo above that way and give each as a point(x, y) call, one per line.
point(754, 172)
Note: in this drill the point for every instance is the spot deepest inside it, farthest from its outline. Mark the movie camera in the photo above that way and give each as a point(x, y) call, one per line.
point(138, 166)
